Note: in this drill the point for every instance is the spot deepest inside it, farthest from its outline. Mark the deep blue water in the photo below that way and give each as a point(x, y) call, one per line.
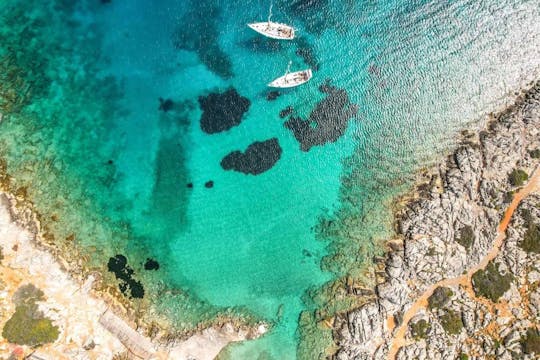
point(131, 174)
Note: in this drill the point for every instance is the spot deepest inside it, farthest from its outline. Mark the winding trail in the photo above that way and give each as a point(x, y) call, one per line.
point(465, 280)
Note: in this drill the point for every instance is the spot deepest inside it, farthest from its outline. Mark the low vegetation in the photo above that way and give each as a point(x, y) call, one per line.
point(451, 322)
point(25, 328)
point(121, 356)
point(530, 343)
point(490, 283)
point(420, 329)
point(535, 154)
point(440, 297)
point(508, 196)
point(518, 177)
point(466, 237)
point(531, 238)
point(28, 326)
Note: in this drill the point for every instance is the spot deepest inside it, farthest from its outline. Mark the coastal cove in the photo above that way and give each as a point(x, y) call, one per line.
point(84, 315)
point(205, 206)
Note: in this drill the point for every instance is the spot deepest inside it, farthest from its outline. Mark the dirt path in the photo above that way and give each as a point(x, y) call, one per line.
point(464, 280)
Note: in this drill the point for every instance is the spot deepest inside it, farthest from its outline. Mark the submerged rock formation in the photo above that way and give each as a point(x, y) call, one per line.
point(458, 282)
point(327, 122)
point(187, 36)
point(124, 273)
point(258, 157)
point(222, 111)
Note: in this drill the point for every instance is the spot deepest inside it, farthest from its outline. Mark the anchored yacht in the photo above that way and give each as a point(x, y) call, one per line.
point(272, 29)
point(292, 79)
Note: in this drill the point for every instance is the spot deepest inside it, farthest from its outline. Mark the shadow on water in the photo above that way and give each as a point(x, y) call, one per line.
point(170, 194)
point(318, 15)
point(260, 44)
point(197, 31)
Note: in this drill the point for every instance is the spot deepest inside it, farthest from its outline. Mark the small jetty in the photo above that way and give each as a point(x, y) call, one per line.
point(136, 343)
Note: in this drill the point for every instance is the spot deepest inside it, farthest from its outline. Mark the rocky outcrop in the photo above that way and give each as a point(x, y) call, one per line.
point(445, 233)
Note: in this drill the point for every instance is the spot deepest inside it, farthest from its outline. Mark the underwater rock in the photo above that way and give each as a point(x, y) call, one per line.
point(209, 184)
point(286, 112)
point(165, 104)
point(272, 95)
point(117, 264)
point(327, 122)
point(151, 264)
point(123, 272)
point(189, 185)
point(222, 111)
point(258, 157)
point(262, 44)
point(320, 15)
point(306, 52)
point(188, 36)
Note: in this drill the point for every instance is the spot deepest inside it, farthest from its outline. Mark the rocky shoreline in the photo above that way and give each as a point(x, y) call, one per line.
point(448, 229)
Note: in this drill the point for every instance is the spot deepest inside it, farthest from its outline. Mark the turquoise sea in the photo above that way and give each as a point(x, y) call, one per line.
point(145, 135)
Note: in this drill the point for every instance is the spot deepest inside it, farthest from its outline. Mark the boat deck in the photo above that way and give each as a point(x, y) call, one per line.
point(274, 30)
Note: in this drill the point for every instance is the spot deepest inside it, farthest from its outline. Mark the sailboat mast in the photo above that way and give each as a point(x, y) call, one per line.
point(270, 13)
point(288, 70)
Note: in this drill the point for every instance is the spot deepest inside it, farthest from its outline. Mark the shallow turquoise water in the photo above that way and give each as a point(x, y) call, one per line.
point(418, 70)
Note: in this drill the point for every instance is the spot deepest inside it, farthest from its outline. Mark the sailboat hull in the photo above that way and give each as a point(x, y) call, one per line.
point(292, 79)
point(273, 30)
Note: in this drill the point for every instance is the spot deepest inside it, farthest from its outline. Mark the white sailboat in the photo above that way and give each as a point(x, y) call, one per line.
point(272, 29)
point(292, 79)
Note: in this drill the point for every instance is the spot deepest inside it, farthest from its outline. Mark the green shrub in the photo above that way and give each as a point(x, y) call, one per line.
point(463, 356)
point(490, 283)
point(526, 216)
point(27, 294)
point(420, 329)
point(466, 237)
point(440, 297)
point(24, 328)
point(517, 177)
point(530, 343)
point(531, 238)
point(535, 154)
point(508, 196)
point(28, 326)
point(451, 322)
